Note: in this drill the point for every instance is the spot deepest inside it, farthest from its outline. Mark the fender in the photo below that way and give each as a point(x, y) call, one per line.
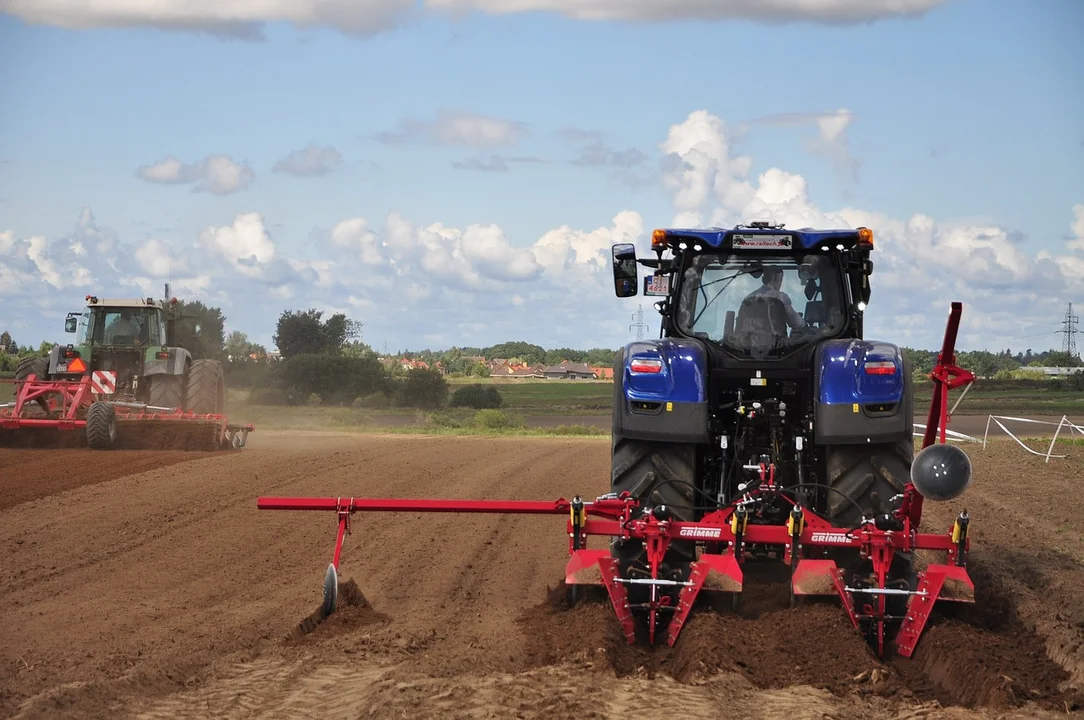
point(178, 361)
point(863, 392)
point(56, 362)
point(663, 391)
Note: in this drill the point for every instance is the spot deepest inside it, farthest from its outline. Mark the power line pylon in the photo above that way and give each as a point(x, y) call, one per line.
point(1068, 344)
point(639, 325)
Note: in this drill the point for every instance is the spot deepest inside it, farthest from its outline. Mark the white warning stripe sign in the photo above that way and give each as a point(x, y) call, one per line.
point(103, 382)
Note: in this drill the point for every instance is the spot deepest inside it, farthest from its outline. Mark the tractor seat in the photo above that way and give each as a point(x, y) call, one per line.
point(761, 323)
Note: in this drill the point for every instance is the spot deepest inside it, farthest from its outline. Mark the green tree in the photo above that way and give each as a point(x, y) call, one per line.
point(6, 343)
point(200, 330)
point(423, 389)
point(529, 352)
point(239, 348)
point(302, 332)
point(359, 349)
point(1057, 358)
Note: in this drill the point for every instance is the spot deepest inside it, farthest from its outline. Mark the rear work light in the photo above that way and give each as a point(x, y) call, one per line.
point(881, 368)
point(644, 365)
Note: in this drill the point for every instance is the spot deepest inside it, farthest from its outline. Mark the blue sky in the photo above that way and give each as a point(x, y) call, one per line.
point(966, 113)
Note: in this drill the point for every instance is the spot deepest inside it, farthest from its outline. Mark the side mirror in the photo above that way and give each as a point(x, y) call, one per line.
point(71, 323)
point(625, 272)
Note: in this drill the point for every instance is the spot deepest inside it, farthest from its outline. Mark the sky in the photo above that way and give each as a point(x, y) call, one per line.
point(454, 172)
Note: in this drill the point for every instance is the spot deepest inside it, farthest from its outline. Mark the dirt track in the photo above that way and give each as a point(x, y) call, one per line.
point(163, 592)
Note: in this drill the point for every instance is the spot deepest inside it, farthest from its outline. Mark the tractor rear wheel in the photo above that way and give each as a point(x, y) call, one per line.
point(101, 426)
point(167, 391)
point(655, 473)
point(206, 393)
point(870, 475)
point(37, 366)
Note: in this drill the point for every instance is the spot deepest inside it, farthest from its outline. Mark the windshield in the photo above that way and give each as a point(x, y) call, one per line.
point(128, 327)
point(760, 307)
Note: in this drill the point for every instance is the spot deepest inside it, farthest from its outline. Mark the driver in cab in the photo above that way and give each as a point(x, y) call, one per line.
point(123, 326)
point(772, 280)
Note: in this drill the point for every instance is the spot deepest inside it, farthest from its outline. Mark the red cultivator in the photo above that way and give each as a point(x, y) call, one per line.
point(82, 404)
point(808, 543)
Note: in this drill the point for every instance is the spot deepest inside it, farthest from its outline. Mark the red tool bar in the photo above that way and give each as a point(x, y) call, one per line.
point(514, 507)
point(13, 423)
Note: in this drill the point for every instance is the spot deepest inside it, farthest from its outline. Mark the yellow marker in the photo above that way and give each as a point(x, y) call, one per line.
point(669, 406)
point(855, 407)
point(582, 515)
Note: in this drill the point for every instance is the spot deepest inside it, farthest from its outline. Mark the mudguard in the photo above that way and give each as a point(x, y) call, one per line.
point(670, 404)
point(175, 365)
point(862, 392)
point(58, 366)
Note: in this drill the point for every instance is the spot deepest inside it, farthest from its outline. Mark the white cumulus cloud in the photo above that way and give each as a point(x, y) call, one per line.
point(454, 128)
point(921, 263)
point(244, 244)
point(246, 18)
point(217, 174)
point(828, 11)
point(831, 141)
point(1077, 227)
point(478, 284)
point(309, 161)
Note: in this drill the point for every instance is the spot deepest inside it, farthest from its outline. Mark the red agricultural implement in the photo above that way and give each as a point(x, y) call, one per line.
point(125, 381)
point(727, 537)
point(42, 407)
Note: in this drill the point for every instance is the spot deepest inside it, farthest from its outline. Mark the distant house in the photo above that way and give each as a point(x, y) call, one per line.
point(528, 371)
point(1054, 370)
point(408, 364)
point(603, 373)
point(569, 371)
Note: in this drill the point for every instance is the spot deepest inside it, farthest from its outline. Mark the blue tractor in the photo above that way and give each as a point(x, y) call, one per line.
point(761, 366)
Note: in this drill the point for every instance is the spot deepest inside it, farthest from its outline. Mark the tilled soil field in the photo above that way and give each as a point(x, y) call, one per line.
point(148, 585)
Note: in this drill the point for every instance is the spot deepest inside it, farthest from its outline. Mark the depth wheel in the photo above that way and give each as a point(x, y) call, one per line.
point(101, 426)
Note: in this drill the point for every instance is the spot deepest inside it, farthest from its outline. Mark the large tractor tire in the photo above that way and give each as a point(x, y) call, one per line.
point(37, 366)
point(206, 393)
point(868, 475)
point(101, 426)
point(655, 473)
point(167, 391)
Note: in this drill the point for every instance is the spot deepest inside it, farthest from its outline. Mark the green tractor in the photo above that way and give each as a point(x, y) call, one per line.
point(125, 367)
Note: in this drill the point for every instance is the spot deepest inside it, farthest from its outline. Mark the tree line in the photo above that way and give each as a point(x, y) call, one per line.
point(323, 360)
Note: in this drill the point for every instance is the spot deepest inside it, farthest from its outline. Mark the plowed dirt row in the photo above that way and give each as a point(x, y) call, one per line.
point(165, 593)
point(31, 474)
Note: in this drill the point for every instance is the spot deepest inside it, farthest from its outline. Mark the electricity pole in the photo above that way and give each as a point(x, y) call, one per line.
point(1068, 345)
point(639, 325)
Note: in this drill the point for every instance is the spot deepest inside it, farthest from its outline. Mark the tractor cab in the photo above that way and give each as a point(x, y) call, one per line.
point(124, 323)
point(757, 292)
point(129, 338)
